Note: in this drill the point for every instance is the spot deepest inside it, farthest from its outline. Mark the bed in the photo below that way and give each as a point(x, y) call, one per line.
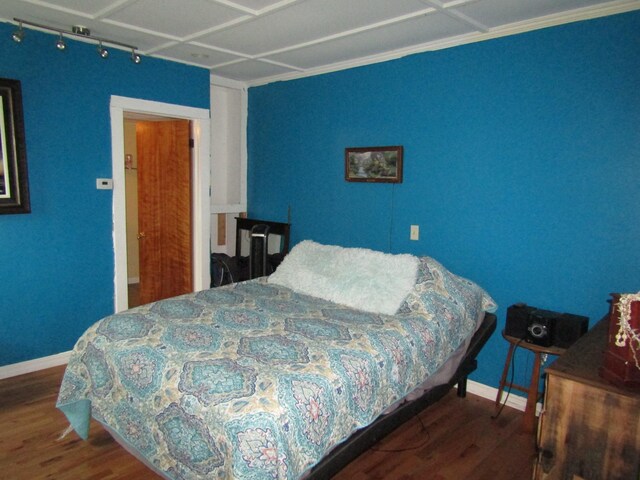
point(288, 376)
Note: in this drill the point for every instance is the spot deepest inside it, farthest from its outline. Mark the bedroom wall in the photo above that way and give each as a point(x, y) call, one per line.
point(521, 164)
point(56, 263)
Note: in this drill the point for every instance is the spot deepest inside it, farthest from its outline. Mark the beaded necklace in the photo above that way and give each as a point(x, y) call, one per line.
point(625, 330)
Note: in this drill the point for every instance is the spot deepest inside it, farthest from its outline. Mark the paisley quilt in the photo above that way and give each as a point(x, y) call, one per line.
point(255, 381)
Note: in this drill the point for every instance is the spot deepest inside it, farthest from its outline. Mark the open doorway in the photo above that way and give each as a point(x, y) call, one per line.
point(121, 108)
point(158, 174)
point(131, 199)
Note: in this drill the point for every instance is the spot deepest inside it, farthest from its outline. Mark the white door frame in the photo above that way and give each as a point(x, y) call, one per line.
point(201, 180)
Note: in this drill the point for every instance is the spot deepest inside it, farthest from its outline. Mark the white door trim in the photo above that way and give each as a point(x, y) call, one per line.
point(200, 122)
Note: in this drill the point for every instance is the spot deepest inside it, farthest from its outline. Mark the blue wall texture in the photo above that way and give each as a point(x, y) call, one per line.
point(521, 165)
point(56, 263)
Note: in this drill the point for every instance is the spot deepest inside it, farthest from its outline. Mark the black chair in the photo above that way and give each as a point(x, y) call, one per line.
point(254, 260)
point(245, 225)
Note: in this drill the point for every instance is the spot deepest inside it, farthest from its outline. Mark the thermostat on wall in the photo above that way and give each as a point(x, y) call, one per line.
point(104, 183)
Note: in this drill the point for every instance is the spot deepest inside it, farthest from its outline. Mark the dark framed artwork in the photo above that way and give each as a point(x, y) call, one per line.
point(373, 164)
point(14, 183)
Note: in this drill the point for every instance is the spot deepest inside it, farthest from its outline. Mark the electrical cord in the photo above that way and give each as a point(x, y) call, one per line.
point(513, 369)
point(407, 449)
point(225, 267)
point(228, 270)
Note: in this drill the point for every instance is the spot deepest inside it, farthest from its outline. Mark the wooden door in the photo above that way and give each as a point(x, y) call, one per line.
point(164, 209)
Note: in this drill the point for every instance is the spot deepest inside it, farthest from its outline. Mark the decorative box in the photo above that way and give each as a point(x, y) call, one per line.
point(621, 362)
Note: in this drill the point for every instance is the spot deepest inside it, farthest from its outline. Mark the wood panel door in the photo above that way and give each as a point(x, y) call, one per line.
point(164, 209)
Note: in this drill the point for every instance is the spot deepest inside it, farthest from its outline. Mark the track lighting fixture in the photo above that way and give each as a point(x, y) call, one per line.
point(77, 31)
point(18, 35)
point(60, 45)
point(103, 52)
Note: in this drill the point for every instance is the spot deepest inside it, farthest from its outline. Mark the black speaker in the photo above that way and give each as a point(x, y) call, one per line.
point(568, 328)
point(541, 327)
point(518, 320)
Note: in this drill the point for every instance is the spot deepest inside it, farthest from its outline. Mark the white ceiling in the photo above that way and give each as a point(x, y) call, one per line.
point(260, 41)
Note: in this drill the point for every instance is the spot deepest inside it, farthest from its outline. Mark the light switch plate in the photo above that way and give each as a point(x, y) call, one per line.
point(415, 232)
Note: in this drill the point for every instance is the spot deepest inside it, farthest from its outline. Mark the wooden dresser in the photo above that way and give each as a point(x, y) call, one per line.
point(589, 429)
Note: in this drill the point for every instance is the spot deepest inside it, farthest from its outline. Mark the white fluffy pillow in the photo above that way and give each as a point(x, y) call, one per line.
point(355, 277)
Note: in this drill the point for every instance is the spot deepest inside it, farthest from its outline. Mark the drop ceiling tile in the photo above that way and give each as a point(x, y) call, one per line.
point(299, 23)
point(167, 16)
point(89, 7)
point(494, 13)
point(257, 4)
point(250, 70)
point(59, 19)
point(195, 54)
point(405, 35)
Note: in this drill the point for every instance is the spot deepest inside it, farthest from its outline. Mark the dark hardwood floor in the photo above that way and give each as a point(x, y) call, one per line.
point(455, 439)
point(134, 294)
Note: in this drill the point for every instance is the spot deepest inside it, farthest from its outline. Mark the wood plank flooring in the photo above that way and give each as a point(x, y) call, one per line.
point(134, 294)
point(455, 439)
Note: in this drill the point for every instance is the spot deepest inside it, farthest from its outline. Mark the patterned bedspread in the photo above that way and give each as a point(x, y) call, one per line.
point(255, 381)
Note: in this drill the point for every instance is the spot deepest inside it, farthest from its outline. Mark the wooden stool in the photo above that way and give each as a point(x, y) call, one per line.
point(533, 394)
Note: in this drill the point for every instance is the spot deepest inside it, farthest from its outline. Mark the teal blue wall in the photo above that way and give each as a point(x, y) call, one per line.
point(522, 163)
point(56, 263)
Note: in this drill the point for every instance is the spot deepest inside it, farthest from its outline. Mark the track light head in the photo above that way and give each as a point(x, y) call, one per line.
point(135, 58)
point(103, 52)
point(18, 35)
point(60, 44)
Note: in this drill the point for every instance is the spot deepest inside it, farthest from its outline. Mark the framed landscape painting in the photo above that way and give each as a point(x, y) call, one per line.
point(14, 186)
point(373, 164)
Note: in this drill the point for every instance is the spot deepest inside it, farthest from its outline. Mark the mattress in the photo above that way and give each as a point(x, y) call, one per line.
point(255, 380)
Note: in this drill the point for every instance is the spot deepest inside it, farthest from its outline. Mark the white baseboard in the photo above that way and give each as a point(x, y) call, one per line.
point(34, 365)
point(485, 391)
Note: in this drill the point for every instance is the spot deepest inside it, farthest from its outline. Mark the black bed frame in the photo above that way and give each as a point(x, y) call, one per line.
point(363, 439)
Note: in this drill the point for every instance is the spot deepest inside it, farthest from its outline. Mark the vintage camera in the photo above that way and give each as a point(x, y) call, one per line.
point(544, 327)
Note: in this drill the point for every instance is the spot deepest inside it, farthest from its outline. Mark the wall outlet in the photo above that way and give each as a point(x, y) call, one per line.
point(415, 232)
